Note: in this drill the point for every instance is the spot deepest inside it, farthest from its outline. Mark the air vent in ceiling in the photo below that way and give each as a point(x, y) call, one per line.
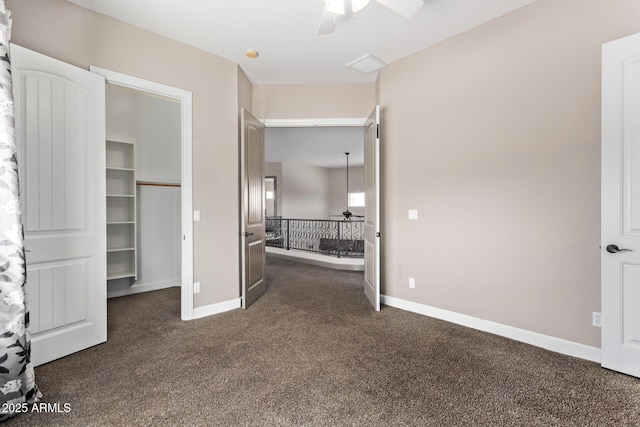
point(367, 64)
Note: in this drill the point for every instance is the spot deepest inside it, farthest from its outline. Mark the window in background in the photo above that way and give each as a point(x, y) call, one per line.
point(270, 196)
point(356, 199)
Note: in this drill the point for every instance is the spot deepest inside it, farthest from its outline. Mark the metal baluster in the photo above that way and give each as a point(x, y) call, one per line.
point(339, 238)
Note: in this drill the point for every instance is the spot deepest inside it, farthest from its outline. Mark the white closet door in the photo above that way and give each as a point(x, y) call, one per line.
point(61, 157)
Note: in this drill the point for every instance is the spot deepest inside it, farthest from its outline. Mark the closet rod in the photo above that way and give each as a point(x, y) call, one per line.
point(158, 184)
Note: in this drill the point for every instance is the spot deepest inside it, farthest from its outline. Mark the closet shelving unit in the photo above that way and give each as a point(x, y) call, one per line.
point(121, 210)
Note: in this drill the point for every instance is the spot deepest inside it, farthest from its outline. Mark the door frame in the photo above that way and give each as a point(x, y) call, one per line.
point(306, 123)
point(185, 98)
point(320, 122)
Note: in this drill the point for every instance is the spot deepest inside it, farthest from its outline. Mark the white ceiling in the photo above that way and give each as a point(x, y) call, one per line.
point(320, 146)
point(284, 32)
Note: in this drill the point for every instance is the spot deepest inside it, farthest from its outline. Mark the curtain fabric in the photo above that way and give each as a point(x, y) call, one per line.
point(17, 378)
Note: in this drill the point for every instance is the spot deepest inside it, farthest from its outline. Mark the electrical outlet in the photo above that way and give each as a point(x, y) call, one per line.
point(597, 319)
point(413, 214)
point(412, 282)
point(196, 287)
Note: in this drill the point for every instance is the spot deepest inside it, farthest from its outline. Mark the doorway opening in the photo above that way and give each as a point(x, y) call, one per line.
point(309, 164)
point(159, 123)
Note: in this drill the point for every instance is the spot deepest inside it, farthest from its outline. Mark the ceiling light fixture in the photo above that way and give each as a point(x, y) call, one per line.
point(332, 8)
point(251, 54)
point(336, 6)
point(358, 5)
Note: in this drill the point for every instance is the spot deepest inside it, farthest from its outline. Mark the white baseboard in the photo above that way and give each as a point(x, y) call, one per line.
point(221, 307)
point(539, 340)
point(126, 289)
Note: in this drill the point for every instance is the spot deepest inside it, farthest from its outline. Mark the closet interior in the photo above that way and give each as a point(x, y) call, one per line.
point(143, 161)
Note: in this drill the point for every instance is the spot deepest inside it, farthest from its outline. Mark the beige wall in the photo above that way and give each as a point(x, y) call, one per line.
point(338, 177)
point(316, 101)
point(77, 36)
point(494, 136)
point(305, 191)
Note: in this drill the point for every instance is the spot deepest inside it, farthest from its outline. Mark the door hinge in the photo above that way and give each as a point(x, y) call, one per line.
point(378, 130)
point(378, 234)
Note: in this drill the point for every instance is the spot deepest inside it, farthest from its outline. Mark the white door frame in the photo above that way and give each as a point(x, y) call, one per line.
point(186, 109)
point(307, 123)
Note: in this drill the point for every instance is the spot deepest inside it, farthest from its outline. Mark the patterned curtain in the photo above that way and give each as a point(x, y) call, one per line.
point(17, 379)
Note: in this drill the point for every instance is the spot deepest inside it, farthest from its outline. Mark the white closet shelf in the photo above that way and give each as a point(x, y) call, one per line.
point(159, 183)
point(120, 249)
point(120, 275)
point(121, 211)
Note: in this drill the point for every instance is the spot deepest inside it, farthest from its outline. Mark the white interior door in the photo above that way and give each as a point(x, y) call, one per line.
point(621, 205)
point(372, 208)
point(60, 113)
point(252, 199)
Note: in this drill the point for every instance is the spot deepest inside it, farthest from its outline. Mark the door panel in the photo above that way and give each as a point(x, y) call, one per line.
point(372, 209)
point(60, 138)
point(253, 222)
point(621, 205)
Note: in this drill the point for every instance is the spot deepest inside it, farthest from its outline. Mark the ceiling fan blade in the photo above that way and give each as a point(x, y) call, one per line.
point(328, 22)
point(406, 8)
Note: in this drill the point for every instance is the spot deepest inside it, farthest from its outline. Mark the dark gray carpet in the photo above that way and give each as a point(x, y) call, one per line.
point(311, 352)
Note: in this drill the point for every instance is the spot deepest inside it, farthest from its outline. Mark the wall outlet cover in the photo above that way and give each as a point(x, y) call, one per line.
point(597, 319)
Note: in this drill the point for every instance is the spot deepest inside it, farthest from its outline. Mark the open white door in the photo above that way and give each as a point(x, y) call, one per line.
point(372, 208)
point(621, 205)
point(252, 199)
point(60, 114)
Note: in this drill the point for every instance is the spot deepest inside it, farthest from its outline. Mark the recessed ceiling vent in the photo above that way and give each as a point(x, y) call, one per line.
point(367, 64)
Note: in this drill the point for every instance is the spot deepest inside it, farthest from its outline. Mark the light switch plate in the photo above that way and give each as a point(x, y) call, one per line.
point(413, 214)
point(196, 215)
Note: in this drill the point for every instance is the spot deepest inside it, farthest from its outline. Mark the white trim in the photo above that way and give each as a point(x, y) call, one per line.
point(140, 288)
point(221, 307)
point(305, 123)
point(558, 345)
point(185, 98)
